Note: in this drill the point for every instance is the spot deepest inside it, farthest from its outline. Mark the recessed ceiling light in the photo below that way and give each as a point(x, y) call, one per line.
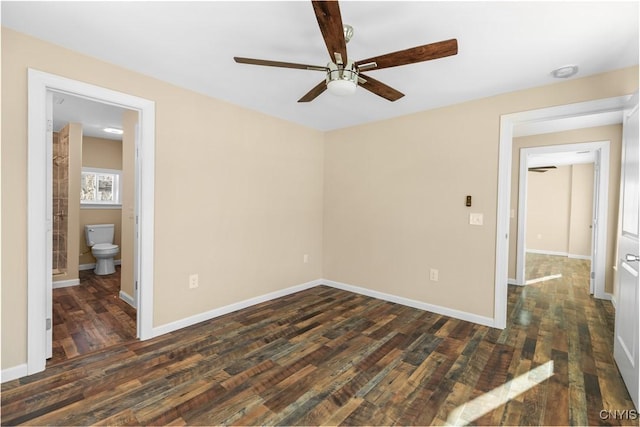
point(565, 72)
point(113, 130)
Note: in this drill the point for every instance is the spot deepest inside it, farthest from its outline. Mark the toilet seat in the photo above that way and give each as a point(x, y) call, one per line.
point(104, 246)
point(104, 249)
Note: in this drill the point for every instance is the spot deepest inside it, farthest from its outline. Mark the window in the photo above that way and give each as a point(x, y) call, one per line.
point(100, 188)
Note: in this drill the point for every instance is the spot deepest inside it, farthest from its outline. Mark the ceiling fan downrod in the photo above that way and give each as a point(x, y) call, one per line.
point(348, 32)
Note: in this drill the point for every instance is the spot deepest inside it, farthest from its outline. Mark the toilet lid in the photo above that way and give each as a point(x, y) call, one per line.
point(105, 246)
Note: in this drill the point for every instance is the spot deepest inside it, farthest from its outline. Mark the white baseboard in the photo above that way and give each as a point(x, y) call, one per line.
point(127, 298)
point(65, 283)
point(606, 296)
point(83, 267)
point(574, 256)
point(543, 252)
point(14, 373)
point(211, 314)
point(21, 370)
point(614, 302)
point(512, 282)
point(217, 312)
point(457, 314)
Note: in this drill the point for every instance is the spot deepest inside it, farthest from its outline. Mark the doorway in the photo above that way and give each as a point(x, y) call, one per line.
point(559, 156)
point(40, 157)
point(92, 183)
point(571, 116)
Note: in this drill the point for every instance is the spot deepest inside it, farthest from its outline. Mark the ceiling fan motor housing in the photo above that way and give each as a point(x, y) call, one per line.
point(341, 80)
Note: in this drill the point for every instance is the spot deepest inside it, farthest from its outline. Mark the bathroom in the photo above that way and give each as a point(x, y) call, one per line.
point(91, 190)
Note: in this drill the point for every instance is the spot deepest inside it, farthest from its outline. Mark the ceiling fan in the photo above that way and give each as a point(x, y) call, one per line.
point(542, 169)
point(344, 75)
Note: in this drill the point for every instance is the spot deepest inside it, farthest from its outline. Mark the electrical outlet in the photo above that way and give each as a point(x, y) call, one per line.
point(193, 281)
point(305, 258)
point(433, 275)
point(476, 219)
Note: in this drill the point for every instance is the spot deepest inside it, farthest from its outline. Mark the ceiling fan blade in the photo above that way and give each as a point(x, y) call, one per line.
point(268, 63)
point(330, 22)
point(412, 55)
point(541, 169)
point(379, 88)
point(313, 93)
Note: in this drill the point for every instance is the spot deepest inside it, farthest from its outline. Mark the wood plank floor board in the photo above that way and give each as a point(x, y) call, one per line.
point(90, 317)
point(325, 356)
point(557, 410)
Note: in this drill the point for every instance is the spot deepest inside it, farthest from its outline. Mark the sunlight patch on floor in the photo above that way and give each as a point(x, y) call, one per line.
point(481, 405)
point(543, 279)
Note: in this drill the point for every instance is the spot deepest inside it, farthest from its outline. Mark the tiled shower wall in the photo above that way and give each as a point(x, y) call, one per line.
point(60, 201)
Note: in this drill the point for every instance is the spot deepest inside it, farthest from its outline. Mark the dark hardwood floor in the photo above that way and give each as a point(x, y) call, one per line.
point(327, 356)
point(90, 317)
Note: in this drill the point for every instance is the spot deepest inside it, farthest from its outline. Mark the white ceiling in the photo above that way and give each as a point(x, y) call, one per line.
point(503, 47)
point(93, 116)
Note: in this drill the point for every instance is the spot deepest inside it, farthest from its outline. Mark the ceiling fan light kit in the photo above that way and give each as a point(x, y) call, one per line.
point(342, 80)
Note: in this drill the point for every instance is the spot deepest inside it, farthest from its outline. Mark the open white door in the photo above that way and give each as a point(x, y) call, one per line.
point(627, 318)
point(49, 220)
point(595, 223)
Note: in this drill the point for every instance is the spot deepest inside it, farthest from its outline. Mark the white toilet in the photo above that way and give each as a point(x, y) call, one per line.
point(100, 240)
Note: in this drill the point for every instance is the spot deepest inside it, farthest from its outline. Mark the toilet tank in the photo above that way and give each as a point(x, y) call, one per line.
point(98, 233)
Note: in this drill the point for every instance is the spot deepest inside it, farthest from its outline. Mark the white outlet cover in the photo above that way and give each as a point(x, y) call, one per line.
point(193, 281)
point(476, 219)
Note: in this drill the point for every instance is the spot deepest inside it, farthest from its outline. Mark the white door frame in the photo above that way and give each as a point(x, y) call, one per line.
point(39, 225)
point(507, 124)
point(598, 258)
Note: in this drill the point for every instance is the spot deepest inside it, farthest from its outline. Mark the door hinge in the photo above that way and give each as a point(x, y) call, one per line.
point(593, 274)
point(49, 125)
point(48, 323)
point(136, 285)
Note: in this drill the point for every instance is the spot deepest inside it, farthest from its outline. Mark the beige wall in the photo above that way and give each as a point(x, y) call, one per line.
point(612, 133)
point(238, 194)
point(395, 191)
point(549, 210)
point(101, 153)
point(105, 154)
point(559, 210)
